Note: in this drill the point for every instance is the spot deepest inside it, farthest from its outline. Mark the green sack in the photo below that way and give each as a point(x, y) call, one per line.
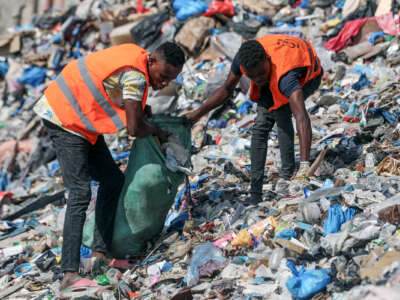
point(148, 193)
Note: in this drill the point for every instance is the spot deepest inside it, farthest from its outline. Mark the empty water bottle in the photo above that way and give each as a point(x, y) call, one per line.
point(276, 257)
point(369, 162)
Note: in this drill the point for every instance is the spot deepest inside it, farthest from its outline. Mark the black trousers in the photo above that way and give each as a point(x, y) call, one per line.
point(263, 125)
point(80, 162)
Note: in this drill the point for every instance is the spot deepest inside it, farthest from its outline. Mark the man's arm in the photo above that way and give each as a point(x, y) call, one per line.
point(216, 99)
point(136, 122)
point(303, 124)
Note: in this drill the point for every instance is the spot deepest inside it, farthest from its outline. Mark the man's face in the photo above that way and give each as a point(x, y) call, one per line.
point(160, 72)
point(259, 74)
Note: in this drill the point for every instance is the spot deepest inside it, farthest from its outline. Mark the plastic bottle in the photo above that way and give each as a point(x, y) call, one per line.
point(311, 212)
point(275, 259)
point(113, 275)
point(369, 163)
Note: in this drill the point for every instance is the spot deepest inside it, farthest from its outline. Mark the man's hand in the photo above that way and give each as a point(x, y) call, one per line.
point(303, 124)
point(147, 111)
point(217, 98)
point(303, 170)
point(136, 121)
point(192, 116)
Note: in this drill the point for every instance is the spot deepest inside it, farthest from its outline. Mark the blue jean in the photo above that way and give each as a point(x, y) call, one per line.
point(80, 162)
point(263, 124)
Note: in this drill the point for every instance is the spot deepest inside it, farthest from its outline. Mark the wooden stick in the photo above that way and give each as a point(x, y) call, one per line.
point(317, 162)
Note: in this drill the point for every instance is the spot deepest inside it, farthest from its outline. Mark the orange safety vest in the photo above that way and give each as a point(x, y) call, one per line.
point(77, 95)
point(287, 53)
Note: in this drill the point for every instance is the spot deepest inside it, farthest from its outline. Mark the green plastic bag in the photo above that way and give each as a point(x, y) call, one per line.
point(148, 193)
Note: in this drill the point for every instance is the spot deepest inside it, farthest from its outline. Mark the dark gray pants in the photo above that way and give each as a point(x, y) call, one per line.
point(80, 162)
point(263, 124)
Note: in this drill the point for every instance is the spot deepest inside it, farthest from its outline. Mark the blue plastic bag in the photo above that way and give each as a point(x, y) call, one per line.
point(3, 180)
point(286, 234)
point(336, 217)
point(33, 76)
point(388, 116)
point(185, 9)
point(217, 123)
point(175, 220)
point(304, 284)
point(362, 82)
point(245, 106)
point(3, 68)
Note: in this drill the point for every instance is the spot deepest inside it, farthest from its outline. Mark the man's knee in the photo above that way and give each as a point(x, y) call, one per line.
point(79, 195)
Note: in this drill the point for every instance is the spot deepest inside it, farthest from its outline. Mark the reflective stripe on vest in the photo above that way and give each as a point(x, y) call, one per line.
point(310, 53)
point(314, 61)
point(74, 103)
point(96, 93)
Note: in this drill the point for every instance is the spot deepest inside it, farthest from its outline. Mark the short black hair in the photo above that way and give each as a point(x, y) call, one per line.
point(172, 54)
point(250, 54)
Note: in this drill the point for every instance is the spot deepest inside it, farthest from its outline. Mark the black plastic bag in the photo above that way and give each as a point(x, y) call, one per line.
point(47, 21)
point(147, 31)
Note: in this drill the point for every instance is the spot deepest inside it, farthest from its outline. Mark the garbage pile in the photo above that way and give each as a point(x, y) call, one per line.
point(334, 235)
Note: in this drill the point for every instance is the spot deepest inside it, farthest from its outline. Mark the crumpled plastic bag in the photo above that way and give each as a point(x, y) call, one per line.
point(185, 9)
point(309, 212)
point(220, 7)
point(245, 107)
point(363, 227)
point(176, 155)
point(226, 43)
point(206, 259)
point(286, 234)
point(147, 31)
point(362, 82)
point(335, 243)
point(194, 33)
point(242, 239)
point(336, 217)
point(33, 76)
point(173, 147)
point(304, 284)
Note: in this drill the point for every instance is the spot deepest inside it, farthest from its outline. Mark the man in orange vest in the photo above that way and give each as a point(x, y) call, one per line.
point(284, 71)
point(101, 93)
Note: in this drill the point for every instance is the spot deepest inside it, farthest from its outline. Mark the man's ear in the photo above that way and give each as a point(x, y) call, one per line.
point(152, 59)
